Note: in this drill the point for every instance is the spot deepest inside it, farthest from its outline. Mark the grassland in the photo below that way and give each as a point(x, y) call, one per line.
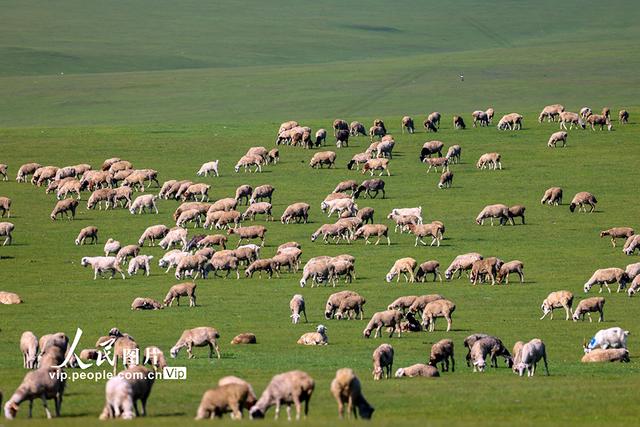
point(170, 87)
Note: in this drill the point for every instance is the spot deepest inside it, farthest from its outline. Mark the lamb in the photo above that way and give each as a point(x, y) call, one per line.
point(581, 200)
point(140, 262)
point(555, 300)
point(490, 161)
point(174, 236)
point(550, 112)
point(123, 392)
point(197, 337)
point(433, 310)
point(377, 230)
point(3, 171)
point(598, 120)
point(382, 361)
point(376, 185)
point(334, 301)
point(499, 211)
point(388, 318)
point(430, 148)
point(187, 289)
point(25, 170)
point(434, 230)
point(346, 388)
point(605, 276)
point(458, 123)
point(315, 338)
point(293, 387)
point(557, 137)
point(320, 271)
point(209, 167)
point(147, 201)
point(407, 123)
point(531, 354)
point(258, 208)
point(442, 352)
point(508, 268)
point(587, 306)
point(244, 338)
point(461, 263)
point(402, 266)
point(623, 117)
point(553, 196)
point(42, 383)
point(251, 232)
point(145, 304)
point(323, 158)
point(89, 232)
point(480, 117)
point(297, 307)
point(435, 163)
point(446, 180)
point(376, 164)
point(607, 338)
point(426, 268)
point(101, 264)
point(608, 355)
point(66, 207)
point(402, 303)
point(630, 245)
point(417, 370)
point(357, 160)
point(153, 233)
point(191, 263)
point(511, 121)
point(29, 348)
point(617, 233)
point(417, 212)
point(296, 211)
point(262, 192)
point(573, 119)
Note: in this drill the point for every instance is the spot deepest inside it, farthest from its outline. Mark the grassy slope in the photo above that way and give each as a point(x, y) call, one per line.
point(123, 80)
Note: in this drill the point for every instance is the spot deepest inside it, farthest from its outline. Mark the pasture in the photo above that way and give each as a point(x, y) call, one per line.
point(200, 90)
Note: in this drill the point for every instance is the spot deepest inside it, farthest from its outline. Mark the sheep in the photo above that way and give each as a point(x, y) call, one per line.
point(293, 387)
point(222, 219)
point(499, 211)
point(260, 265)
point(490, 161)
point(557, 137)
point(377, 230)
point(336, 231)
point(572, 118)
point(244, 338)
point(531, 354)
point(434, 230)
point(194, 189)
point(507, 268)
point(382, 361)
point(417, 370)
point(288, 258)
point(227, 263)
point(111, 247)
point(485, 267)
point(126, 252)
point(140, 262)
point(169, 188)
point(630, 244)
point(247, 161)
point(402, 303)
point(44, 175)
point(29, 348)
point(433, 310)
point(223, 399)
point(191, 215)
point(155, 357)
point(598, 120)
point(632, 270)
point(430, 126)
point(258, 208)
point(145, 304)
point(511, 121)
point(89, 232)
point(108, 162)
point(585, 112)
point(376, 164)
point(515, 212)
point(262, 192)
point(213, 240)
point(5, 207)
point(209, 167)
point(454, 153)
point(357, 160)
point(350, 307)
point(605, 276)
point(550, 112)
point(120, 165)
point(153, 233)
point(481, 345)
point(42, 383)
point(553, 196)
point(435, 163)
point(458, 123)
point(417, 212)
point(321, 137)
point(99, 196)
point(404, 266)
point(555, 300)
point(123, 195)
point(430, 148)
point(56, 185)
point(174, 236)
point(315, 338)
point(296, 211)
point(187, 289)
point(297, 307)
point(608, 355)
point(446, 180)
point(607, 338)
point(370, 185)
point(617, 233)
point(378, 131)
point(581, 200)
point(334, 301)
point(365, 215)
point(89, 354)
point(101, 264)
point(389, 318)
point(587, 306)
point(634, 287)
point(442, 352)
point(251, 232)
point(197, 337)
point(123, 392)
point(66, 207)
point(323, 158)
point(147, 201)
point(191, 263)
point(3, 171)
point(346, 388)
point(25, 170)
point(407, 123)
point(320, 271)
point(342, 138)
point(461, 263)
point(287, 125)
point(623, 118)
point(339, 124)
point(339, 206)
point(426, 268)
point(480, 117)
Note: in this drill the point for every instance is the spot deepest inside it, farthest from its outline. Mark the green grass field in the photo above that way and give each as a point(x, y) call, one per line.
point(169, 86)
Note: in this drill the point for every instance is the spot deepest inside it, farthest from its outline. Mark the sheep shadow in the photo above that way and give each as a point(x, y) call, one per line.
point(6, 257)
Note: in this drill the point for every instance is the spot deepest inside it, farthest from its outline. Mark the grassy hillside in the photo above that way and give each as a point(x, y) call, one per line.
point(169, 86)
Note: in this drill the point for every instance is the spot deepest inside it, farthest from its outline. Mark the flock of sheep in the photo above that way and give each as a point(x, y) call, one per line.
point(113, 185)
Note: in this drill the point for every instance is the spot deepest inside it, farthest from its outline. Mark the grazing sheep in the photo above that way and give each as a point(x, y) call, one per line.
point(244, 338)
point(315, 338)
point(588, 306)
point(258, 208)
point(605, 276)
point(550, 112)
point(461, 263)
point(458, 123)
point(407, 123)
point(402, 266)
point(38, 384)
point(490, 161)
point(417, 212)
point(296, 211)
point(617, 233)
point(226, 263)
point(25, 170)
point(357, 160)
point(435, 230)
point(3, 171)
point(140, 262)
point(430, 126)
point(470, 341)
point(402, 303)
point(454, 153)
point(346, 388)
point(623, 118)
point(608, 355)
point(111, 247)
point(557, 137)
point(147, 201)
point(376, 164)
point(435, 163)
point(348, 185)
point(555, 300)
point(370, 185)
point(5, 207)
point(382, 361)
point(251, 232)
point(320, 271)
point(511, 121)
point(573, 119)
point(155, 357)
point(515, 212)
point(101, 264)
point(323, 158)
point(630, 245)
point(321, 137)
point(334, 301)
point(480, 117)
point(508, 268)
point(607, 338)
point(209, 167)
point(100, 196)
point(634, 287)
point(342, 138)
point(120, 165)
point(446, 180)
point(350, 307)
point(249, 160)
point(403, 221)
point(531, 354)
point(227, 398)
point(174, 236)
point(442, 352)
point(190, 264)
point(430, 148)
point(197, 337)
point(123, 392)
point(339, 124)
point(368, 230)
point(293, 387)
point(357, 128)
point(433, 310)
point(335, 231)
point(585, 112)
point(145, 304)
point(481, 345)
point(633, 270)
point(187, 289)
point(213, 240)
point(338, 205)
point(553, 196)
point(29, 349)
point(388, 318)
point(378, 131)
point(44, 174)
point(365, 215)
point(260, 265)
point(153, 233)
point(499, 211)
point(598, 120)
point(127, 252)
point(297, 307)
point(581, 200)
point(262, 192)
point(426, 268)
point(89, 232)
point(66, 207)
point(194, 189)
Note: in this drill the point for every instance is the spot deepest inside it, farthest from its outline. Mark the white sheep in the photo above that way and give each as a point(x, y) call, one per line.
point(208, 167)
point(293, 387)
point(140, 262)
point(532, 352)
point(147, 201)
point(297, 307)
point(607, 338)
point(101, 264)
